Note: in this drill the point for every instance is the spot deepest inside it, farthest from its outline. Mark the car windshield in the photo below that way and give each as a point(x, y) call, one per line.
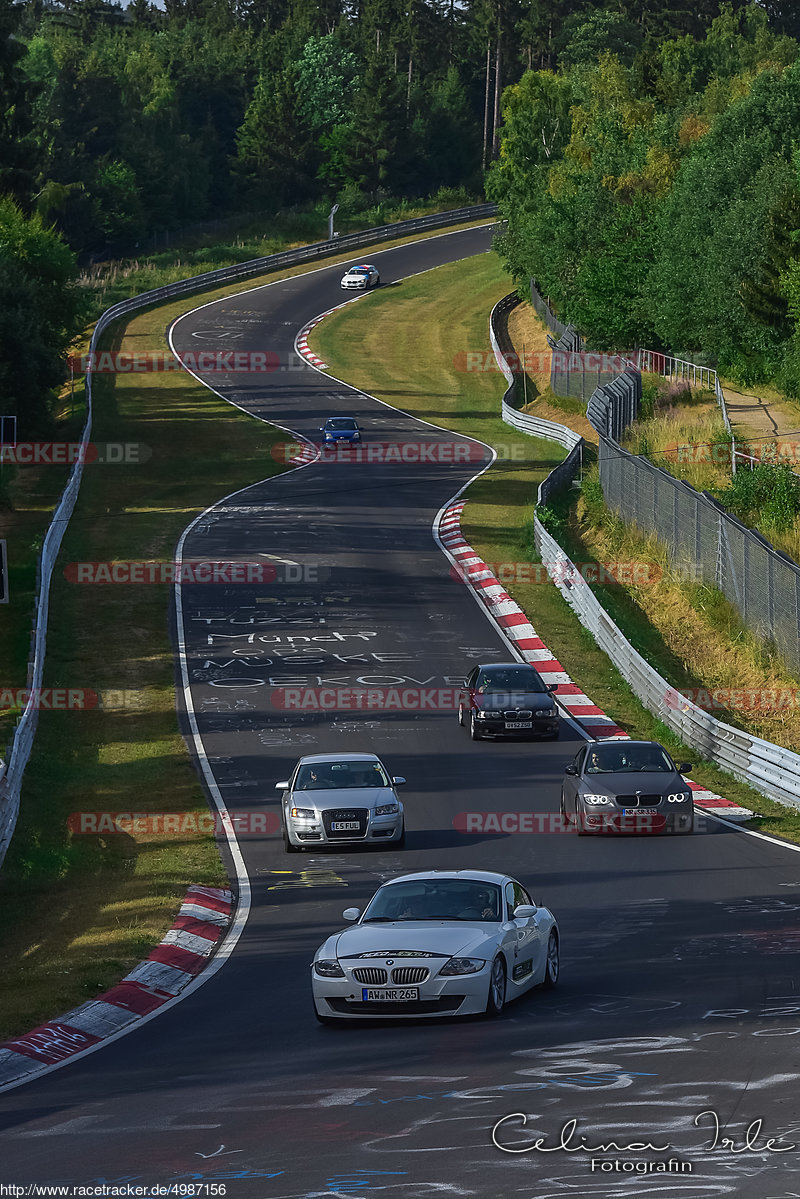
point(327, 776)
point(360, 270)
point(628, 759)
point(439, 899)
point(341, 422)
point(511, 679)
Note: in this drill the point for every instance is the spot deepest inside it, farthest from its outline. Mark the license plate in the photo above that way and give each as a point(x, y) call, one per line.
point(629, 811)
point(519, 724)
point(389, 994)
point(345, 826)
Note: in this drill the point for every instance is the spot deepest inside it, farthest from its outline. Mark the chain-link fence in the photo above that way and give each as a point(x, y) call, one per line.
point(708, 545)
point(574, 370)
point(545, 313)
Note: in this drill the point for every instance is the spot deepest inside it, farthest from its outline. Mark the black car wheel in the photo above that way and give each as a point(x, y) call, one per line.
point(474, 731)
point(287, 845)
point(553, 963)
point(461, 716)
point(496, 999)
point(401, 840)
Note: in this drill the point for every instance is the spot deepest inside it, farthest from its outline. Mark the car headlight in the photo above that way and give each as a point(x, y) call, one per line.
point(303, 813)
point(481, 715)
point(598, 799)
point(386, 809)
point(328, 968)
point(679, 797)
point(547, 712)
point(463, 966)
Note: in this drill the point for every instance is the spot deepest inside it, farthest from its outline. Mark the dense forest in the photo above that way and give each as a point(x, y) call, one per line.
point(654, 193)
point(599, 124)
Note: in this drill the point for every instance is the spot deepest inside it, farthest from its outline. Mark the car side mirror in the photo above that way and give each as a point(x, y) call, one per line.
point(398, 780)
point(351, 913)
point(570, 770)
point(551, 687)
point(684, 767)
point(282, 786)
point(524, 911)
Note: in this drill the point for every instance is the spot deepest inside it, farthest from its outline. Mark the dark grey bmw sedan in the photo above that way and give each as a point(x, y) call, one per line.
point(626, 787)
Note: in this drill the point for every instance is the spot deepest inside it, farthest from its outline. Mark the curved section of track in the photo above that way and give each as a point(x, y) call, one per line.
point(679, 955)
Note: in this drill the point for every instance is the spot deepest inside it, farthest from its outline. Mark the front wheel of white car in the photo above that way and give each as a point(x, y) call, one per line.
point(496, 999)
point(400, 843)
point(553, 963)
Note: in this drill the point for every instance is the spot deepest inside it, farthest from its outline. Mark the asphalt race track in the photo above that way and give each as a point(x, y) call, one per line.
point(678, 993)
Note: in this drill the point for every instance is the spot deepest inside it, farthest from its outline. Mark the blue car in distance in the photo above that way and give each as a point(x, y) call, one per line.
point(340, 428)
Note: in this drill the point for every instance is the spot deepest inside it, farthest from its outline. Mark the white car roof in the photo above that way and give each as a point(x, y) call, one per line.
point(476, 876)
point(311, 758)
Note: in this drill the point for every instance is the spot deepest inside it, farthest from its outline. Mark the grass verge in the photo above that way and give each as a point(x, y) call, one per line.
point(80, 911)
point(401, 346)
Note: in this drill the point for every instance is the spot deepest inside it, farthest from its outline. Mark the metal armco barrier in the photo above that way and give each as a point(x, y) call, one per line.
point(19, 749)
point(770, 769)
point(532, 425)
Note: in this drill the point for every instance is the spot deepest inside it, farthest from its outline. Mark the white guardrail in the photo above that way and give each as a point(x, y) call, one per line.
point(770, 769)
point(19, 750)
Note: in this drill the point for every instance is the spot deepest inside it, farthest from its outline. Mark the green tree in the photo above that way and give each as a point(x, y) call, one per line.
point(39, 315)
point(326, 81)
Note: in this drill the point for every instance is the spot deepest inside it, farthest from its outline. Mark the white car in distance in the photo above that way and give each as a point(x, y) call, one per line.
point(358, 278)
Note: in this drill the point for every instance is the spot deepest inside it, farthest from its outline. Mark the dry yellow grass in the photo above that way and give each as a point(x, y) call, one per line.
point(689, 442)
point(703, 636)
